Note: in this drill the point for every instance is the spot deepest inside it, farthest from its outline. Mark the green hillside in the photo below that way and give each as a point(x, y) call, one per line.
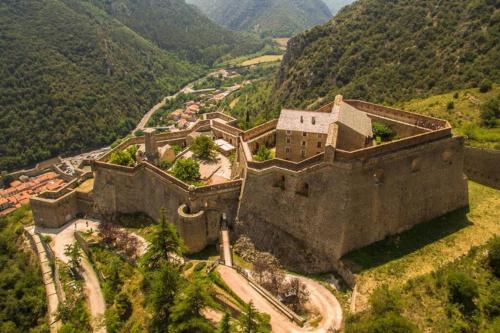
point(180, 28)
point(277, 18)
point(73, 78)
point(472, 113)
point(388, 51)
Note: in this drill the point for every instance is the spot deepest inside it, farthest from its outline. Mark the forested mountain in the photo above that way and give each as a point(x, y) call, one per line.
point(175, 26)
point(387, 51)
point(73, 78)
point(278, 18)
point(336, 5)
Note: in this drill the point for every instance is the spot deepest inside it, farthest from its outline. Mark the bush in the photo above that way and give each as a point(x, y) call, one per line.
point(462, 290)
point(199, 266)
point(389, 322)
point(382, 131)
point(450, 106)
point(123, 306)
point(124, 157)
point(485, 86)
point(490, 112)
point(456, 95)
point(204, 147)
point(165, 165)
point(187, 170)
point(494, 256)
point(385, 300)
point(263, 154)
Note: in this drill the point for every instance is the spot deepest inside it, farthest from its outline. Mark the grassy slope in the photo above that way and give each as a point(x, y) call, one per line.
point(427, 247)
point(73, 78)
point(466, 112)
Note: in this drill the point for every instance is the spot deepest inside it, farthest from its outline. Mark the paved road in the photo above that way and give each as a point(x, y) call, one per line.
point(321, 298)
point(228, 260)
point(64, 236)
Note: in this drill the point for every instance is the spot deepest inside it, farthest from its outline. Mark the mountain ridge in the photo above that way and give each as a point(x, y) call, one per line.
point(277, 18)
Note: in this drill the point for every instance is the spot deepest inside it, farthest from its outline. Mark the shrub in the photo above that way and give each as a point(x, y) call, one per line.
point(123, 306)
point(382, 131)
point(456, 95)
point(385, 300)
point(199, 266)
point(204, 147)
point(124, 157)
point(490, 112)
point(165, 165)
point(263, 154)
point(450, 106)
point(462, 290)
point(187, 170)
point(389, 322)
point(485, 86)
point(494, 256)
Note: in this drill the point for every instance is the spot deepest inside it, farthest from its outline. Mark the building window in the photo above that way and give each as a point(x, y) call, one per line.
point(303, 143)
point(303, 153)
point(319, 144)
point(288, 132)
point(288, 140)
point(287, 150)
point(304, 133)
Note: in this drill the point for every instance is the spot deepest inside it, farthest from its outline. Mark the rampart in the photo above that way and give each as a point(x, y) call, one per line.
point(483, 166)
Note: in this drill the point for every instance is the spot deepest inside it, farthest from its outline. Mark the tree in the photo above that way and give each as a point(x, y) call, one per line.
point(166, 246)
point(187, 309)
point(252, 321)
point(204, 147)
point(485, 86)
point(73, 252)
point(389, 322)
point(296, 294)
point(123, 306)
point(225, 325)
point(163, 286)
point(382, 131)
point(125, 157)
point(490, 112)
point(462, 290)
point(187, 170)
point(263, 154)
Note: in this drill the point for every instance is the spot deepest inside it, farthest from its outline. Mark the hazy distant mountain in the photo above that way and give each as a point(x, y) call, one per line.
point(267, 17)
point(336, 5)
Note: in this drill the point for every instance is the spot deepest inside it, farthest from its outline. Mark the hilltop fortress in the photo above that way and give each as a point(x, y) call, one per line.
point(332, 188)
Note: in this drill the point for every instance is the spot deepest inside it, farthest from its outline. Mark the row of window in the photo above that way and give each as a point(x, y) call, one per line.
point(304, 133)
point(319, 144)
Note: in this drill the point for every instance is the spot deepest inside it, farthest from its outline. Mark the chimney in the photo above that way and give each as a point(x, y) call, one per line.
point(313, 120)
point(301, 119)
point(150, 145)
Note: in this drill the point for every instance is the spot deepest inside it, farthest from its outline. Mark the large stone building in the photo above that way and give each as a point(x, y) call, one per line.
point(309, 208)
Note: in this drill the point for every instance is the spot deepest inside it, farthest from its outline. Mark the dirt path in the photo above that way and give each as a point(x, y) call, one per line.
point(227, 249)
point(64, 236)
point(321, 298)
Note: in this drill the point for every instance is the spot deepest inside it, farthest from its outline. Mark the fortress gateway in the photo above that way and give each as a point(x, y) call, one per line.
point(332, 188)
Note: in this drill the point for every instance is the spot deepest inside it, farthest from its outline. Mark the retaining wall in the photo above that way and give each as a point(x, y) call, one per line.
point(483, 166)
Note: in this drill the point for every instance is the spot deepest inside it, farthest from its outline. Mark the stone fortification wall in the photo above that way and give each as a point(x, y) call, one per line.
point(483, 166)
point(148, 189)
point(54, 213)
point(312, 217)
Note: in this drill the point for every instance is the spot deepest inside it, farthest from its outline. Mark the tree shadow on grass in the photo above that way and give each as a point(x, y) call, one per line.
point(397, 246)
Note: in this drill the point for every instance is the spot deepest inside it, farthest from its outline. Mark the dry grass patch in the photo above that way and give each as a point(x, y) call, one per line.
point(428, 246)
point(262, 59)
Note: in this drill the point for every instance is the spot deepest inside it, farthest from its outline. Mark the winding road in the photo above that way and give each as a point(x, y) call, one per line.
point(321, 298)
point(64, 236)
